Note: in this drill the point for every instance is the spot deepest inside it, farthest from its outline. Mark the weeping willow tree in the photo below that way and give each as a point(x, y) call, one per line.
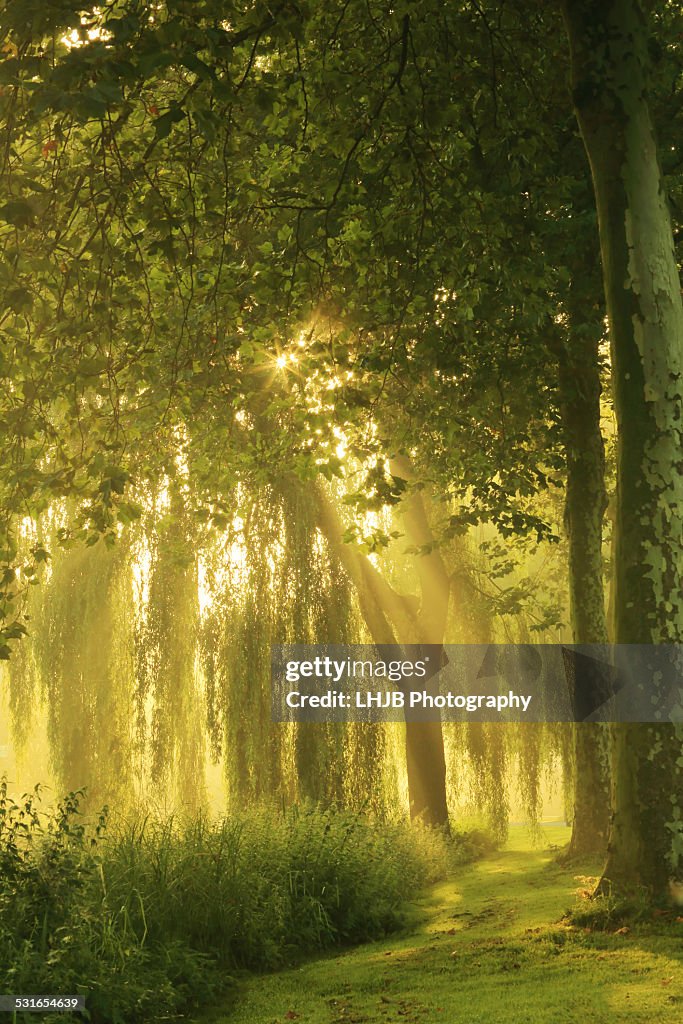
point(168, 697)
point(394, 592)
point(77, 666)
point(494, 766)
point(153, 659)
point(152, 655)
point(272, 580)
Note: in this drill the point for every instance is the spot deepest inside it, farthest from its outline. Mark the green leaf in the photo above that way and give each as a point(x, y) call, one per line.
point(164, 124)
point(18, 212)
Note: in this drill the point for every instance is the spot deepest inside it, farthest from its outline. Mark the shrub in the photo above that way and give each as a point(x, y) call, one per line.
point(149, 917)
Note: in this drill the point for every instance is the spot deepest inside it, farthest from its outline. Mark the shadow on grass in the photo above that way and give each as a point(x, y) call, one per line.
point(488, 947)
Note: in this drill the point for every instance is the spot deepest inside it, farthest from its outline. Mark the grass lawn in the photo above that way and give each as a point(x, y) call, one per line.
point(488, 947)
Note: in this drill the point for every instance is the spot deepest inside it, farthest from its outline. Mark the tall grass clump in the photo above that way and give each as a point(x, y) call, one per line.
point(149, 918)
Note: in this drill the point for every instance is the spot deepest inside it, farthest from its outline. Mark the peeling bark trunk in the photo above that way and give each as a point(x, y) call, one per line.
point(609, 70)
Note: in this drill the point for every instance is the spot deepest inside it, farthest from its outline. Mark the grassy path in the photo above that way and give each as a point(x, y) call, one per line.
point(485, 948)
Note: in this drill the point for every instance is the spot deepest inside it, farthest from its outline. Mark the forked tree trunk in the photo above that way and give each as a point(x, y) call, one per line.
point(393, 621)
point(609, 75)
point(425, 754)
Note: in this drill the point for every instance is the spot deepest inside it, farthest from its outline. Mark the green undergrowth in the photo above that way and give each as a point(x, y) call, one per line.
point(150, 918)
point(494, 944)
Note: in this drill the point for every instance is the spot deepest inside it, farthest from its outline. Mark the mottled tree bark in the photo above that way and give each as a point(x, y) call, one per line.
point(609, 60)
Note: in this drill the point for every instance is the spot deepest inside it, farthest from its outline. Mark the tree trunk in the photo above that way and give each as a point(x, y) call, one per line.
point(392, 620)
point(609, 70)
point(425, 753)
point(586, 501)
